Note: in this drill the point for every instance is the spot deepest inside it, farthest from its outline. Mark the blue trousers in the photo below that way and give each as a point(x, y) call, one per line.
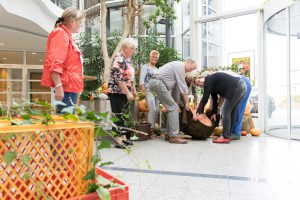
point(68, 96)
point(237, 127)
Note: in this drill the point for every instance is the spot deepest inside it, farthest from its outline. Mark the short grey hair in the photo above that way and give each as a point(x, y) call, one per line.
point(190, 60)
point(129, 43)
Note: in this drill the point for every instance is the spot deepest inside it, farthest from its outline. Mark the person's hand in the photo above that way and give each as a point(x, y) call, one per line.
point(187, 106)
point(59, 93)
point(213, 117)
point(129, 96)
point(195, 116)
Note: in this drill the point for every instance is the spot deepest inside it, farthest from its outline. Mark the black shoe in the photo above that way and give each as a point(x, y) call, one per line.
point(128, 142)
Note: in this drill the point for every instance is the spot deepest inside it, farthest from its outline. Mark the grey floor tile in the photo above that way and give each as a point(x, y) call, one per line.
point(194, 194)
point(251, 188)
point(234, 196)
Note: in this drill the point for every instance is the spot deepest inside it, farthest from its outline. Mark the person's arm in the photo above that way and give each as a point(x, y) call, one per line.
point(142, 78)
point(58, 48)
point(125, 90)
point(206, 94)
point(180, 78)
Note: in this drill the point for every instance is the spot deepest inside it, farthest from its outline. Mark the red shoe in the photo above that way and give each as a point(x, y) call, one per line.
point(221, 140)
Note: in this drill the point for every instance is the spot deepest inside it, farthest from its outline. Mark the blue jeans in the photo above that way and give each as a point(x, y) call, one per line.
point(237, 127)
point(70, 99)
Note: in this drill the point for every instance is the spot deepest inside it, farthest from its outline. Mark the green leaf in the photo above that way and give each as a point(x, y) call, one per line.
point(102, 181)
point(8, 137)
point(100, 132)
point(115, 119)
point(119, 186)
point(148, 165)
point(92, 188)
point(26, 159)
point(103, 193)
point(90, 175)
point(104, 115)
point(9, 157)
point(105, 144)
point(72, 117)
point(26, 176)
point(128, 150)
point(61, 136)
point(106, 163)
point(95, 159)
point(26, 117)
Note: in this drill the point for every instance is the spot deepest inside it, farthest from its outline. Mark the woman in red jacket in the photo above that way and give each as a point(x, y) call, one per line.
point(63, 69)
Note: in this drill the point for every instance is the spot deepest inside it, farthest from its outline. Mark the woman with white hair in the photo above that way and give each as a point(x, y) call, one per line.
point(121, 87)
point(227, 85)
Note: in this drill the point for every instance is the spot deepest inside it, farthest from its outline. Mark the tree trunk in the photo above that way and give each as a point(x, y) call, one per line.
point(127, 27)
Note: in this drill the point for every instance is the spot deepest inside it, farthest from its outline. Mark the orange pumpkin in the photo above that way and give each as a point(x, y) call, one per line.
point(218, 131)
point(255, 132)
point(204, 120)
point(244, 133)
point(143, 107)
point(105, 86)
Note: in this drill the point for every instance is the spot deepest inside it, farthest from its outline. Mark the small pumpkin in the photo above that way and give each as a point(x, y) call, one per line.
point(143, 107)
point(218, 131)
point(244, 133)
point(105, 86)
point(255, 132)
point(204, 120)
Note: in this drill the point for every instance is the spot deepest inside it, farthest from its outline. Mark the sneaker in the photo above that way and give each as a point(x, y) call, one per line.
point(235, 137)
point(177, 140)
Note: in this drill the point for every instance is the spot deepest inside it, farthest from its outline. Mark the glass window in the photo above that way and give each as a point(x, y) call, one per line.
point(276, 77)
point(34, 88)
point(240, 4)
point(186, 45)
point(116, 19)
point(185, 14)
point(35, 58)
point(11, 57)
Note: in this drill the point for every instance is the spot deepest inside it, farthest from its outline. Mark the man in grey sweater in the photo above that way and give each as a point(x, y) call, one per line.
point(170, 77)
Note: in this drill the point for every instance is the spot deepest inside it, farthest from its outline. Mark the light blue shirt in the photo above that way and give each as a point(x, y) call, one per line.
point(146, 73)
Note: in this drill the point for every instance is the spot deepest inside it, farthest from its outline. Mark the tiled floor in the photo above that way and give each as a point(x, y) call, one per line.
point(254, 168)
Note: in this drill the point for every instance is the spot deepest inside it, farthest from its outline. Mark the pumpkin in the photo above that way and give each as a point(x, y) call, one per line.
point(244, 133)
point(143, 107)
point(255, 132)
point(192, 105)
point(204, 120)
point(248, 109)
point(105, 86)
point(218, 131)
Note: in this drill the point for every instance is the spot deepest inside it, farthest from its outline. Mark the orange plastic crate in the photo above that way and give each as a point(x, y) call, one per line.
point(115, 193)
point(60, 156)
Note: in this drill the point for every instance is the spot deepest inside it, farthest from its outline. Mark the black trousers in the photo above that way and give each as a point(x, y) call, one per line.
point(118, 103)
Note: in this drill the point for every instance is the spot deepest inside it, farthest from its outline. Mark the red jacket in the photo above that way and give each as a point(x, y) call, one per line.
point(63, 57)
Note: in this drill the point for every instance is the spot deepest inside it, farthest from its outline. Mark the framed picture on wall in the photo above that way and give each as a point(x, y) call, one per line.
point(245, 60)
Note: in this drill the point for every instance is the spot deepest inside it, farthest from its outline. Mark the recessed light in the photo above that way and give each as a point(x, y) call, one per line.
point(2, 44)
point(41, 60)
point(4, 58)
point(33, 53)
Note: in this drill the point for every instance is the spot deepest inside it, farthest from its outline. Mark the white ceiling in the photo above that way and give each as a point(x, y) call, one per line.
point(18, 33)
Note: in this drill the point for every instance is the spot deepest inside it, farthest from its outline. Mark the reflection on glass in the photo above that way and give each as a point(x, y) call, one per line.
point(35, 90)
point(11, 57)
point(185, 14)
point(240, 4)
point(17, 97)
point(3, 99)
point(276, 61)
point(35, 58)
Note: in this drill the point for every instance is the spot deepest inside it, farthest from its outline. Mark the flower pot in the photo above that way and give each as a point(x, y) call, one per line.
point(115, 193)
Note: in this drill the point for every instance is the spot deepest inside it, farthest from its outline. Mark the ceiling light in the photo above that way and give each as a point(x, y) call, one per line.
point(33, 53)
point(4, 58)
point(41, 60)
point(2, 44)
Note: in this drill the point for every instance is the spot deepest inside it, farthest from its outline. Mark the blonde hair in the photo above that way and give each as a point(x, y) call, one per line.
point(68, 15)
point(129, 43)
point(189, 60)
point(154, 52)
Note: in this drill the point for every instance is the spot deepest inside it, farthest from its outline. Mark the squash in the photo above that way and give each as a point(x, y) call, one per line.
point(143, 107)
point(248, 109)
point(244, 133)
point(255, 132)
point(218, 131)
point(105, 86)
